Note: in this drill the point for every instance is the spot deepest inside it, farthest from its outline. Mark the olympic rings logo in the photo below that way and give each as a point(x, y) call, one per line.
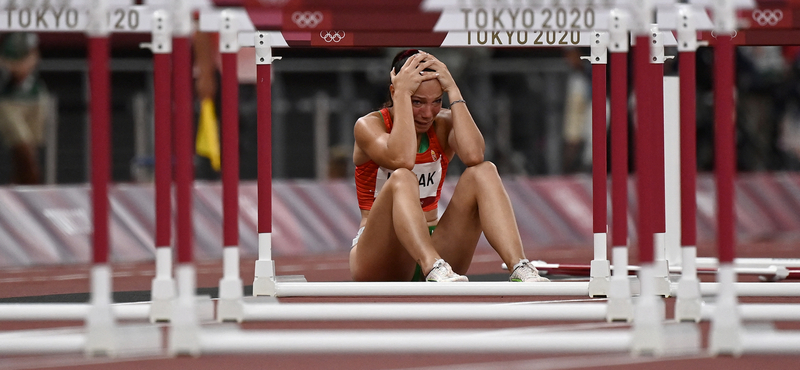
point(767, 17)
point(331, 36)
point(307, 19)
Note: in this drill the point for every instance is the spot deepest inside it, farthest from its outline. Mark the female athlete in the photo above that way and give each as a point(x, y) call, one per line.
point(401, 155)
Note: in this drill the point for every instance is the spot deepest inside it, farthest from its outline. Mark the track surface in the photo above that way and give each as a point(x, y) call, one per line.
point(132, 281)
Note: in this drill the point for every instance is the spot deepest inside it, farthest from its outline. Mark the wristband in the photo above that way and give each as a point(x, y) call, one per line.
point(458, 101)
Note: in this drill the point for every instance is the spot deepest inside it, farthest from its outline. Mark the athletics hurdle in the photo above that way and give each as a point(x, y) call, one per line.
point(229, 305)
point(257, 288)
point(101, 335)
point(183, 338)
point(163, 285)
point(619, 296)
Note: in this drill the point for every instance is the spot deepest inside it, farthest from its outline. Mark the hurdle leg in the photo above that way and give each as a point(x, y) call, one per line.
point(163, 285)
point(185, 328)
point(264, 279)
point(648, 330)
point(660, 267)
point(599, 272)
point(620, 306)
point(183, 335)
point(725, 336)
point(600, 268)
point(101, 338)
point(688, 303)
point(660, 263)
point(229, 306)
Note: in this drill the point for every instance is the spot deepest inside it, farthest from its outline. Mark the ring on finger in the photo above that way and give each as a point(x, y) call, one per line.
point(420, 73)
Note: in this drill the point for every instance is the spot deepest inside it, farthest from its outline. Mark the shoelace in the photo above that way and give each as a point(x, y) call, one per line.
point(525, 270)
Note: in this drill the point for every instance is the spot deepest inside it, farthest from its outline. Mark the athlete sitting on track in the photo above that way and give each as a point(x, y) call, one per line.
point(412, 139)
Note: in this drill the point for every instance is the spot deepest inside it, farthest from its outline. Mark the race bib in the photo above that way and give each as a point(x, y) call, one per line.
point(429, 175)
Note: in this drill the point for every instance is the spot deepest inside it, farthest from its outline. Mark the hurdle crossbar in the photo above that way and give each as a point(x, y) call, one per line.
point(80, 311)
point(496, 288)
point(479, 288)
point(760, 311)
point(423, 311)
point(770, 341)
point(234, 340)
point(129, 339)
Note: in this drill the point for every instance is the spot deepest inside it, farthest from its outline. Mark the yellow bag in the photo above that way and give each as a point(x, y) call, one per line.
point(207, 144)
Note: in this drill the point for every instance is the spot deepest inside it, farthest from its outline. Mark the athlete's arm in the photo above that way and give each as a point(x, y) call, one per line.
point(465, 139)
point(396, 149)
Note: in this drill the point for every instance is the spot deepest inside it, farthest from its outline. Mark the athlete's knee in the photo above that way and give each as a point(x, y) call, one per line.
point(482, 172)
point(402, 178)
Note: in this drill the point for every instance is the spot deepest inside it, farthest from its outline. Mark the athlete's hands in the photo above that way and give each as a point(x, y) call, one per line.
point(442, 73)
point(407, 80)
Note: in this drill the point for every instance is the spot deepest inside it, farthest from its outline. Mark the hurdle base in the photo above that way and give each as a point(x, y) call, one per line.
point(184, 334)
point(688, 304)
point(600, 271)
point(620, 305)
point(163, 294)
point(229, 310)
point(661, 278)
point(725, 335)
point(163, 287)
point(160, 310)
point(229, 305)
point(648, 331)
point(264, 281)
point(101, 335)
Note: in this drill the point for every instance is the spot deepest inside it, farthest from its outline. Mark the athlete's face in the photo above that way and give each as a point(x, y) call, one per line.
point(426, 104)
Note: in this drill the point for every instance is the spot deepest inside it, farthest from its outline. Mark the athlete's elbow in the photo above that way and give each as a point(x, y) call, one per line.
point(472, 159)
point(407, 163)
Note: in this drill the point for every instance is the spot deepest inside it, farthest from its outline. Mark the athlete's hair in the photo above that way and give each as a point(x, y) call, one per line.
point(397, 62)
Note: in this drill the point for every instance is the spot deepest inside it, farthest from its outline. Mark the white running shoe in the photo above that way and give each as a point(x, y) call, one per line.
point(442, 272)
point(525, 272)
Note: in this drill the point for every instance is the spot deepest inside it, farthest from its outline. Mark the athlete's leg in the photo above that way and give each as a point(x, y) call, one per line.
point(396, 234)
point(479, 203)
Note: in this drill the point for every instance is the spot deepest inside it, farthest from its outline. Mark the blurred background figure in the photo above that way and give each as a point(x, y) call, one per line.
point(577, 155)
point(23, 105)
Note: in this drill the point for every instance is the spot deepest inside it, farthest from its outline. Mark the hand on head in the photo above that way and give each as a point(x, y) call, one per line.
point(441, 71)
point(411, 74)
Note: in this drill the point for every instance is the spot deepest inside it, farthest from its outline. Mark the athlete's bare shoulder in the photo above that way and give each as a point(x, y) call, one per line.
point(370, 119)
